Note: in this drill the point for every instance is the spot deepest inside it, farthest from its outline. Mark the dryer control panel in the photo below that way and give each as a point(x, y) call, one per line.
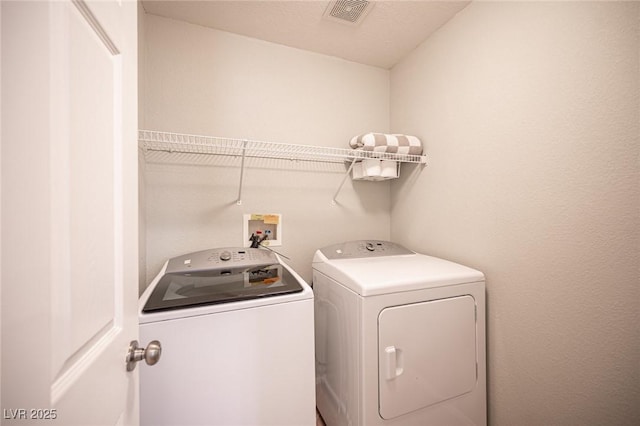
point(363, 248)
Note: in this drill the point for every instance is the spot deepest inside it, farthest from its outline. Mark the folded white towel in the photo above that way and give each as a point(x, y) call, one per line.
point(374, 169)
point(389, 169)
point(371, 167)
point(381, 142)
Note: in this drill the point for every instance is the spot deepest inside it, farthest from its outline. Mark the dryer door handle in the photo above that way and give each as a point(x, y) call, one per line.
point(394, 362)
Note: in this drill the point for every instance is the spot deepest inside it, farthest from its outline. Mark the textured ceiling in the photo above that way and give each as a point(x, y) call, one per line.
point(390, 30)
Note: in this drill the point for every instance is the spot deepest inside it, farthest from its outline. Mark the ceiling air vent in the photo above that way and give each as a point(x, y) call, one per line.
point(350, 12)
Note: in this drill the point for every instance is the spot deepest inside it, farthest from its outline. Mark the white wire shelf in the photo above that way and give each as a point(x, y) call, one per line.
point(151, 140)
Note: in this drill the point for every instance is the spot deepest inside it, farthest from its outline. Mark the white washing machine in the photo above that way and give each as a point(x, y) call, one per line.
point(236, 329)
point(400, 337)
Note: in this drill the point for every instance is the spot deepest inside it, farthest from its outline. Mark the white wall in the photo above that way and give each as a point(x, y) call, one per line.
point(530, 113)
point(202, 81)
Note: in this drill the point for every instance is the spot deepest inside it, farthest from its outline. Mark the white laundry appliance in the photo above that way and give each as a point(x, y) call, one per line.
point(400, 337)
point(236, 329)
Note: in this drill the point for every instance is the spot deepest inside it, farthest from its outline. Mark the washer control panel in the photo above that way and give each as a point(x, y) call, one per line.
point(227, 257)
point(363, 248)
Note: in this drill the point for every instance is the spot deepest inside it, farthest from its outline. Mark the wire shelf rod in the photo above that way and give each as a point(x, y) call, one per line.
point(150, 140)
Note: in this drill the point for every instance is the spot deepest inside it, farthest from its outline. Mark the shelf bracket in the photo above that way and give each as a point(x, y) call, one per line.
point(346, 175)
point(244, 151)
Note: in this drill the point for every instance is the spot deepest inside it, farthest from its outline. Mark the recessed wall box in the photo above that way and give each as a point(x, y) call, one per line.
point(261, 225)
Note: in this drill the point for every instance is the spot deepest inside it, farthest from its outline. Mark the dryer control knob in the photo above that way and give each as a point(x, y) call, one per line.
point(225, 255)
point(370, 247)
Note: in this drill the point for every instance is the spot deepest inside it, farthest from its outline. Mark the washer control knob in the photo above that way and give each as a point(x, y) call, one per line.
point(225, 255)
point(370, 247)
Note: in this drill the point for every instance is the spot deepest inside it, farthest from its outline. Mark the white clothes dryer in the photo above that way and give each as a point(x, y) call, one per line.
point(236, 328)
point(400, 337)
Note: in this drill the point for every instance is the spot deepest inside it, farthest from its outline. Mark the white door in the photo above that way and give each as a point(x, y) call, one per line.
point(69, 211)
point(427, 354)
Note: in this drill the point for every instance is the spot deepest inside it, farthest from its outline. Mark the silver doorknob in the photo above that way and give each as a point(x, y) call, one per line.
point(151, 354)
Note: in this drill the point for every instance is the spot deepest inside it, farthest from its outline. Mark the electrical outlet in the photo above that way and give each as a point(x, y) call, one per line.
point(265, 227)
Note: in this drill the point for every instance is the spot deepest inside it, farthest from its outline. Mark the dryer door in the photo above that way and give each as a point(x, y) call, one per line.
point(426, 354)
